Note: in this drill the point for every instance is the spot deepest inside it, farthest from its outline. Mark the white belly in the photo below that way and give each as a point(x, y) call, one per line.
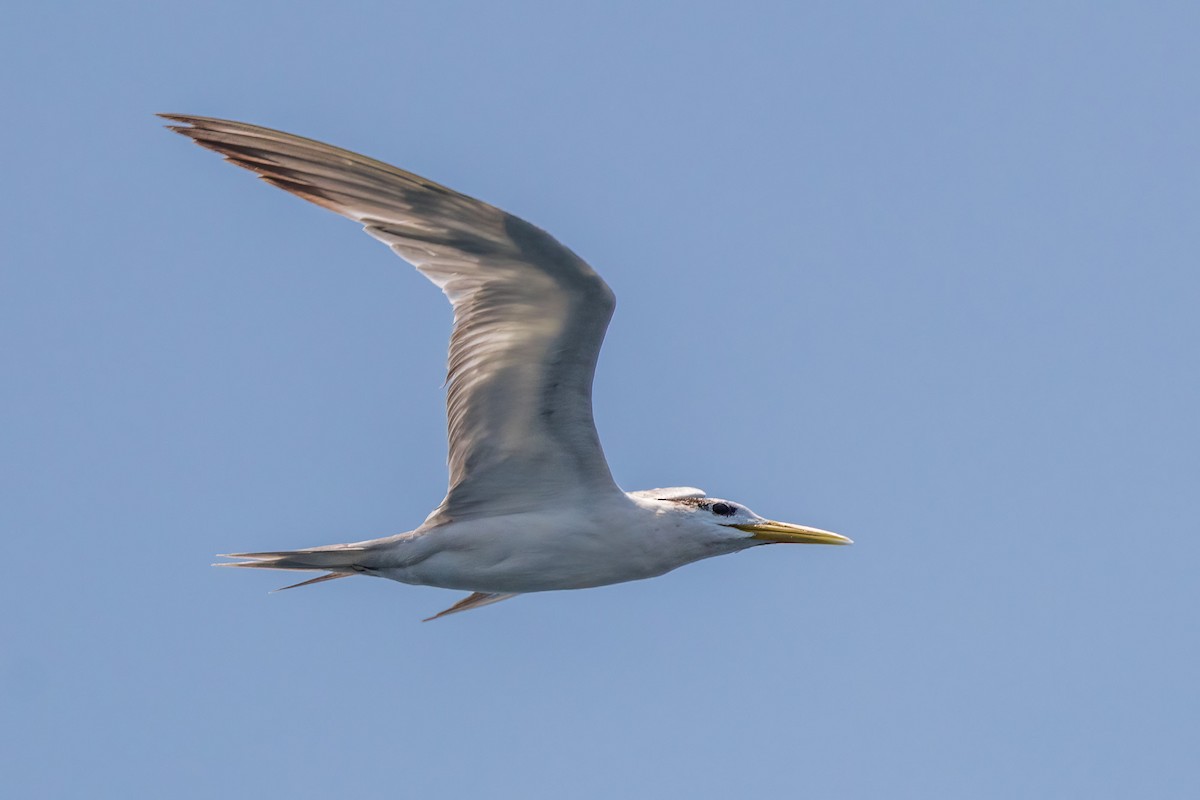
point(544, 550)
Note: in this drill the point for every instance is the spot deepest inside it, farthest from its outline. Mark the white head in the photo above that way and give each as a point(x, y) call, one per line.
point(729, 525)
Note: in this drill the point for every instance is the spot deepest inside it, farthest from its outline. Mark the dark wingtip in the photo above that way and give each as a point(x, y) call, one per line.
point(186, 119)
point(190, 122)
point(188, 128)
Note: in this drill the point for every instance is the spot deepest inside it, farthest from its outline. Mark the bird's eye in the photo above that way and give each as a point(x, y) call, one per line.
point(722, 509)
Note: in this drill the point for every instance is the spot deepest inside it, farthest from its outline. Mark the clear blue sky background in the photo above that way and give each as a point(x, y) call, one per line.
point(922, 273)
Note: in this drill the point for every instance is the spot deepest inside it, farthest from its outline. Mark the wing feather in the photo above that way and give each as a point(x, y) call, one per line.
point(529, 316)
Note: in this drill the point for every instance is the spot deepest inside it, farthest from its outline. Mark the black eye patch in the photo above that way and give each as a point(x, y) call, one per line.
point(722, 509)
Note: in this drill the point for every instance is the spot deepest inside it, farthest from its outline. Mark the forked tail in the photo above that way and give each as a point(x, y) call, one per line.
point(336, 560)
point(340, 561)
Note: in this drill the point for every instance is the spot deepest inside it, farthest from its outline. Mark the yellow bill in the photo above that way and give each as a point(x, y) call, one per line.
point(771, 531)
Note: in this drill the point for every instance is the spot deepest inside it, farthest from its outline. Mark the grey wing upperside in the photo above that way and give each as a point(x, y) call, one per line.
point(529, 316)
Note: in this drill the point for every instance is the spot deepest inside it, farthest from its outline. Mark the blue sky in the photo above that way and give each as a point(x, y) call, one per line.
point(921, 273)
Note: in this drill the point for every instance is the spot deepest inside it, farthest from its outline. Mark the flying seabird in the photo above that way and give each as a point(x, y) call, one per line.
point(531, 504)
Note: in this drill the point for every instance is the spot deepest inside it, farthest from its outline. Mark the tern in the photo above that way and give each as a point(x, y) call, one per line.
point(531, 504)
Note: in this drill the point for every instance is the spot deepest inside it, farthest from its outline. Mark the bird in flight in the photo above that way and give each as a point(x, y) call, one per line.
point(531, 504)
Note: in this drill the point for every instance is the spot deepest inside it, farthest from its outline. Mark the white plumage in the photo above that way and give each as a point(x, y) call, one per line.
point(531, 505)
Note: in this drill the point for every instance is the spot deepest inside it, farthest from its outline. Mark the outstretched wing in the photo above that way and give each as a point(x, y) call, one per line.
point(529, 317)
